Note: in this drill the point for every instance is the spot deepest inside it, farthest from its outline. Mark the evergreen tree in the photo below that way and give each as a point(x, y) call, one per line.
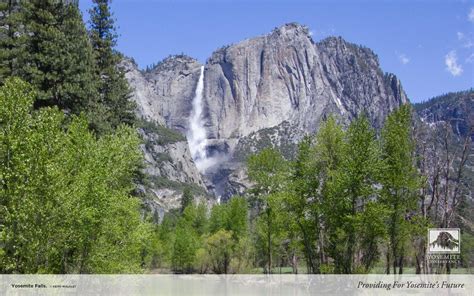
point(59, 59)
point(11, 39)
point(114, 105)
point(187, 199)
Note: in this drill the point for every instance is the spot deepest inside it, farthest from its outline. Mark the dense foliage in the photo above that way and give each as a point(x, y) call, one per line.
point(65, 204)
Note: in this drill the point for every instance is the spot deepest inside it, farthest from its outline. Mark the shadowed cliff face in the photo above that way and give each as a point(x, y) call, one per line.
point(455, 108)
point(266, 91)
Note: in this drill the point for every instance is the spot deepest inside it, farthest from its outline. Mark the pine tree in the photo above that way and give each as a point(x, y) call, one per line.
point(59, 60)
point(187, 199)
point(114, 105)
point(11, 39)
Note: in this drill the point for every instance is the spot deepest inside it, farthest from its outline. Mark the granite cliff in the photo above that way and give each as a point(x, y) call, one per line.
point(265, 91)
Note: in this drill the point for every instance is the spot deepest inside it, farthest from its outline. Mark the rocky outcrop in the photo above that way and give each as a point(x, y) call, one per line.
point(273, 89)
point(455, 108)
point(448, 117)
point(164, 94)
point(168, 170)
point(163, 97)
point(265, 91)
point(284, 76)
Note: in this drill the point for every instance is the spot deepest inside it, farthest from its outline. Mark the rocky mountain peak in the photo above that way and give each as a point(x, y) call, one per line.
point(174, 63)
point(291, 30)
point(339, 45)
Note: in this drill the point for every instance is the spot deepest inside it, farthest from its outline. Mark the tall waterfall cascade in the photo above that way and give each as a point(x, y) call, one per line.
point(197, 135)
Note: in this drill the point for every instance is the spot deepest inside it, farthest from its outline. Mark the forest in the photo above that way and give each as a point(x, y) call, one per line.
point(352, 200)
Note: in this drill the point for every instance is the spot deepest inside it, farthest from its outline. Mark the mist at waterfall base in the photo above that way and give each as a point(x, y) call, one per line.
point(197, 135)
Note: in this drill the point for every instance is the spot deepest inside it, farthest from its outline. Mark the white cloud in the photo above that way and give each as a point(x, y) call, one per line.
point(470, 59)
point(452, 66)
point(465, 39)
point(403, 58)
point(470, 16)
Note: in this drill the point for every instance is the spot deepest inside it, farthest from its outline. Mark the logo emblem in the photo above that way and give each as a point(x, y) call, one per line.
point(444, 240)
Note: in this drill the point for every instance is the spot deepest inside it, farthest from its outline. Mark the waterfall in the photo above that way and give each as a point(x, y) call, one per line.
point(197, 136)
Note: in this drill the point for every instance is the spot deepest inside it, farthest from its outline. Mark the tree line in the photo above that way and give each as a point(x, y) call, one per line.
point(352, 199)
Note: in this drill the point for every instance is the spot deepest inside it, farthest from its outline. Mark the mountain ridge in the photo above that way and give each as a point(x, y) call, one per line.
point(267, 91)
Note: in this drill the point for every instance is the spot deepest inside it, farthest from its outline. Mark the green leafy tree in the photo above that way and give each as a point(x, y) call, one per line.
point(114, 105)
point(166, 236)
point(349, 190)
point(371, 229)
point(231, 216)
point(269, 171)
point(196, 216)
point(185, 247)
point(218, 219)
point(400, 181)
point(237, 217)
point(243, 255)
point(58, 176)
point(220, 248)
point(302, 204)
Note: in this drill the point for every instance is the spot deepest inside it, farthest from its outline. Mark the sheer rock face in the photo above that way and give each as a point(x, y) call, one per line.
point(164, 94)
point(284, 76)
point(169, 167)
point(271, 90)
point(163, 97)
point(266, 91)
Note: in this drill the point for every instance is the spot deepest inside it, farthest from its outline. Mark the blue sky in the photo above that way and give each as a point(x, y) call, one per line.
point(429, 45)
